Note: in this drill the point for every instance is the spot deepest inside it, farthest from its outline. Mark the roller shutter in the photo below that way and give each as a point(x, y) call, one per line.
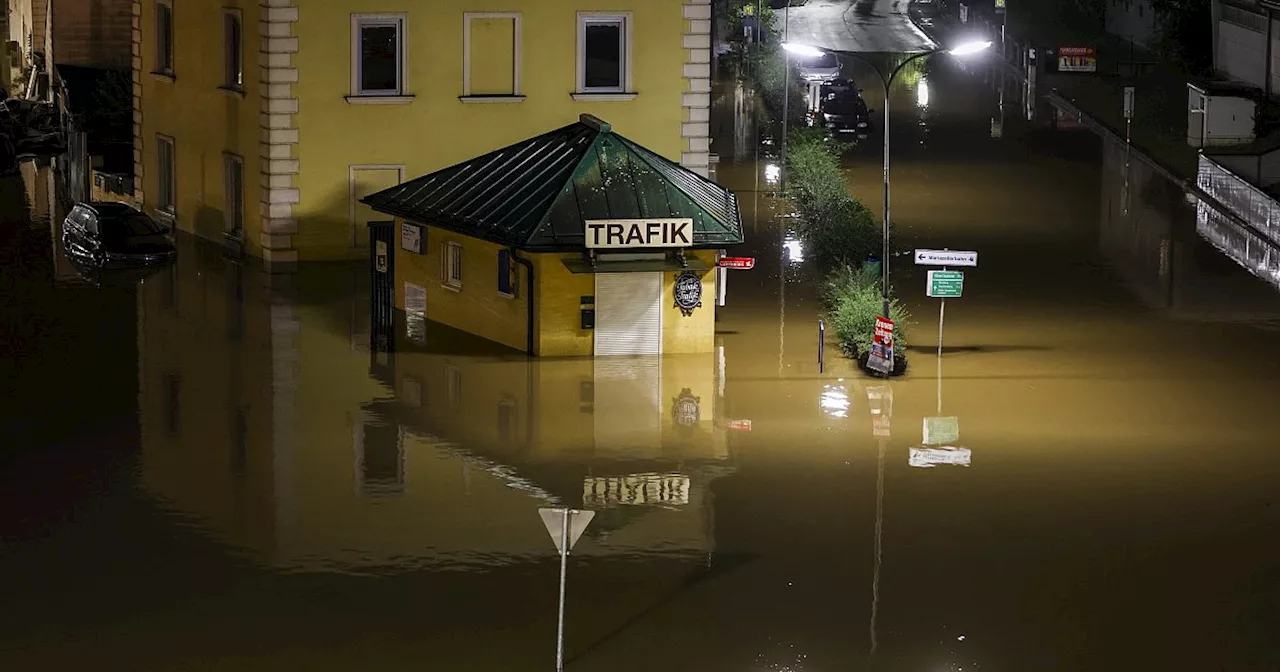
point(628, 314)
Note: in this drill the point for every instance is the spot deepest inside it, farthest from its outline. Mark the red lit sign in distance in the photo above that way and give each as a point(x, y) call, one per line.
point(740, 263)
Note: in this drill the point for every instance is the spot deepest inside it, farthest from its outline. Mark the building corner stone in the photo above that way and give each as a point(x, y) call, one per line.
point(696, 130)
point(278, 61)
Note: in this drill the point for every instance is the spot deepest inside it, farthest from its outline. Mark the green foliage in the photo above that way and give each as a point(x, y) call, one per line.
point(836, 228)
point(768, 65)
point(1186, 32)
point(853, 302)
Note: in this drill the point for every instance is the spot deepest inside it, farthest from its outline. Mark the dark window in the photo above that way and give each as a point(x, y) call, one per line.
point(379, 57)
point(233, 183)
point(164, 38)
point(603, 49)
point(506, 273)
point(168, 174)
point(232, 41)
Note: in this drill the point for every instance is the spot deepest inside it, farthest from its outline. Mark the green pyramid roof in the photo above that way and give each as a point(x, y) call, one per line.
point(537, 194)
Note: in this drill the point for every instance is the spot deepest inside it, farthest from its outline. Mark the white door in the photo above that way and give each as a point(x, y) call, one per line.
point(628, 314)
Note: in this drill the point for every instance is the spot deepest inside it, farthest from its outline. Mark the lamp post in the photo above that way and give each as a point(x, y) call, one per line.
point(966, 49)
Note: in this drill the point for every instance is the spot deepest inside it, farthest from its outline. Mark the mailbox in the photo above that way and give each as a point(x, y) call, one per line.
point(587, 312)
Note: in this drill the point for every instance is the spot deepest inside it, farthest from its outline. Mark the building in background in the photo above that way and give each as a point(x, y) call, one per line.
point(264, 125)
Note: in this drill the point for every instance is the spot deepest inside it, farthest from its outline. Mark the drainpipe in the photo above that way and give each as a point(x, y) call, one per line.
point(528, 266)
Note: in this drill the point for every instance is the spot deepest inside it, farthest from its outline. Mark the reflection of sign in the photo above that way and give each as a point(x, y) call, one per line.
point(997, 128)
point(624, 233)
point(880, 401)
point(1077, 59)
point(685, 410)
point(380, 256)
point(636, 490)
point(738, 263)
point(941, 430)
point(1063, 121)
point(932, 457)
point(946, 284)
point(881, 358)
point(737, 425)
point(946, 258)
point(964, 13)
point(688, 292)
point(411, 237)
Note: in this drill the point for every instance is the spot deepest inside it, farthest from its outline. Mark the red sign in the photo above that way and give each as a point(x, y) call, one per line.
point(740, 263)
point(884, 333)
point(1077, 59)
point(738, 425)
point(881, 355)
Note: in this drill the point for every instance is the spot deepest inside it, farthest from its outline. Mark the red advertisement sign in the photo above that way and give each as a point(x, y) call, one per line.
point(739, 263)
point(881, 358)
point(1077, 59)
point(738, 425)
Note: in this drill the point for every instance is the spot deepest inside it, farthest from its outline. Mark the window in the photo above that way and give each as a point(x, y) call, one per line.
point(604, 54)
point(453, 265)
point(166, 170)
point(453, 385)
point(164, 38)
point(491, 57)
point(377, 55)
point(233, 185)
point(232, 50)
point(508, 274)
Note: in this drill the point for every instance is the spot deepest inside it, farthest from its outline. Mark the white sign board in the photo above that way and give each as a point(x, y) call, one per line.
point(554, 520)
point(946, 258)
point(1128, 102)
point(411, 237)
point(621, 234)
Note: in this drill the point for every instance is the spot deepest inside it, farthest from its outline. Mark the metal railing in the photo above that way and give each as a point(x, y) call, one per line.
point(1257, 208)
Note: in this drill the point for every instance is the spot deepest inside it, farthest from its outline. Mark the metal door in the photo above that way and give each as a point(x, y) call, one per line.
point(382, 260)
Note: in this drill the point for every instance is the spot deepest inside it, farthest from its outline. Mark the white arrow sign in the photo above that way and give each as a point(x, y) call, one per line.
point(946, 258)
point(554, 520)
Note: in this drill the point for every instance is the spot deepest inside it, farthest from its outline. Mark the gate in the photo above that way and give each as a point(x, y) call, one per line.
point(382, 261)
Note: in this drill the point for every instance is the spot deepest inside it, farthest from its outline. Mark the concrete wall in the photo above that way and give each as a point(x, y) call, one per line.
point(1242, 53)
point(93, 33)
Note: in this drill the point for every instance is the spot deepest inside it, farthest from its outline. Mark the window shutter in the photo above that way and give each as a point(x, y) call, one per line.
point(504, 272)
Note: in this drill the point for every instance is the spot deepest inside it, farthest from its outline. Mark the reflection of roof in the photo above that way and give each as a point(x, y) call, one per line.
point(537, 193)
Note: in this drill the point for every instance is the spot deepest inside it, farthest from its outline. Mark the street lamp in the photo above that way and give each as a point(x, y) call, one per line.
point(961, 50)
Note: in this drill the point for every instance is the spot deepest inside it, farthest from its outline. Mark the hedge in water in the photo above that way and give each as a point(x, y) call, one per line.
point(853, 302)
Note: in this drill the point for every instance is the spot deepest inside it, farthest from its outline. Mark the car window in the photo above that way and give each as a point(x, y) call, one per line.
point(132, 224)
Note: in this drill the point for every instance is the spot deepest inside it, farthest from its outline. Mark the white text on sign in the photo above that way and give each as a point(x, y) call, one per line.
point(639, 233)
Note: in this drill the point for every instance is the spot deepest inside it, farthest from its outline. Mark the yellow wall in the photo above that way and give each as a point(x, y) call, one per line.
point(696, 333)
point(203, 120)
point(558, 305)
point(476, 307)
point(436, 129)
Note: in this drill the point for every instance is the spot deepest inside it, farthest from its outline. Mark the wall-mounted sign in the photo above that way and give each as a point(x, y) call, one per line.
point(737, 263)
point(411, 237)
point(688, 291)
point(1077, 59)
point(612, 234)
point(380, 256)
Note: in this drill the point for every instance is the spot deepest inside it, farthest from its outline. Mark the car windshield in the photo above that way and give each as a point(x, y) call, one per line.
point(846, 105)
point(824, 61)
point(130, 224)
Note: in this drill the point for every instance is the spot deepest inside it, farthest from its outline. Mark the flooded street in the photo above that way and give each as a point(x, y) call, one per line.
point(212, 470)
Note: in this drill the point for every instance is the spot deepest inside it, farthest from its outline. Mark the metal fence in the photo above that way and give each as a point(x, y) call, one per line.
point(1257, 208)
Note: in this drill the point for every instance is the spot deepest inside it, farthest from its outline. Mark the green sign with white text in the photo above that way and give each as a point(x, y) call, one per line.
point(946, 284)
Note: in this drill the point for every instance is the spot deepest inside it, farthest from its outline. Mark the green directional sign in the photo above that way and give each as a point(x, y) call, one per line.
point(946, 284)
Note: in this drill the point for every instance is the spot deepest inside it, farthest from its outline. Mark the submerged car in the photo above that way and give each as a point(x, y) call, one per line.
point(111, 236)
point(842, 108)
point(822, 68)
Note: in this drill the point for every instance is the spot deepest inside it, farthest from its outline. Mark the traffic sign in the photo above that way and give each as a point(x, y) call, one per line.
point(554, 520)
point(1128, 102)
point(946, 258)
point(737, 263)
point(946, 284)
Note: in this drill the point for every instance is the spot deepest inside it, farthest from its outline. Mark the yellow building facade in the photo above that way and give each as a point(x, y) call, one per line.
point(265, 123)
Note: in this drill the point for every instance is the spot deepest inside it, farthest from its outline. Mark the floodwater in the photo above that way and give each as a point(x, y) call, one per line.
point(211, 470)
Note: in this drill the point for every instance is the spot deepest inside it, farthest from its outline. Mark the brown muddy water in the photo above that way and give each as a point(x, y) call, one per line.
point(211, 471)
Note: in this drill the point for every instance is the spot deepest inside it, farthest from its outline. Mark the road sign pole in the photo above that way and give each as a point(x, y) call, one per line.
point(564, 567)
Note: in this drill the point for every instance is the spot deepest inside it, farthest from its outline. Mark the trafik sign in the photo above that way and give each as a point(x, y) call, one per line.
point(616, 234)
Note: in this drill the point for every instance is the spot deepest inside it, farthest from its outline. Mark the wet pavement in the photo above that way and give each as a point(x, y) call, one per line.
point(854, 25)
point(211, 470)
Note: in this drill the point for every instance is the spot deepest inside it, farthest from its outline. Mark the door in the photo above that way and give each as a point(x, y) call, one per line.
point(628, 314)
point(382, 313)
point(365, 181)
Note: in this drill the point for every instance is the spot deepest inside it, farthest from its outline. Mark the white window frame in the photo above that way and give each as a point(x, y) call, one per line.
point(162, 68)
point(232, 81)
point(169, 209)
point(517, 93)
point(625, 92)
point(233, 206)
point(398, 95)
point(360, 234)
point(449, 253)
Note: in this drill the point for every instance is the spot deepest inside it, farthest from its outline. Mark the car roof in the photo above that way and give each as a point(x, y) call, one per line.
point(110, 208)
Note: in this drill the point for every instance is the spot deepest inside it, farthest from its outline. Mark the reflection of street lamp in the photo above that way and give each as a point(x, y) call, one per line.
point(965, 49)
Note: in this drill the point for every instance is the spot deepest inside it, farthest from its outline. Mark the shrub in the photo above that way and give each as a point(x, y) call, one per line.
point(837, 229)
point(853, 302)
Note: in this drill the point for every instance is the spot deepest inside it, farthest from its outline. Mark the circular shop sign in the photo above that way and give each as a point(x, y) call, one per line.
point(688, 291)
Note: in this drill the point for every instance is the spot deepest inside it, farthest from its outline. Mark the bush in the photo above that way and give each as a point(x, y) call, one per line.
point(853, 302)
point(836, 228)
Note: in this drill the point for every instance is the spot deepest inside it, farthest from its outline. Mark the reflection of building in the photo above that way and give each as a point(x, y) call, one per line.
point(575, 242)
point(263, 426)
point(273, 141)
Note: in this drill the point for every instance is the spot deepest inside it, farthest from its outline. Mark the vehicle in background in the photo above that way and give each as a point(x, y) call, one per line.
point(822, 68)
point(842, 109)
point(107, 236)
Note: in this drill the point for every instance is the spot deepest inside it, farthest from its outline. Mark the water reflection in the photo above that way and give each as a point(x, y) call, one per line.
point(439, 459)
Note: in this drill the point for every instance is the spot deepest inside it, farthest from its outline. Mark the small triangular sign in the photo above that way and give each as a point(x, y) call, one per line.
point(554, 520)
